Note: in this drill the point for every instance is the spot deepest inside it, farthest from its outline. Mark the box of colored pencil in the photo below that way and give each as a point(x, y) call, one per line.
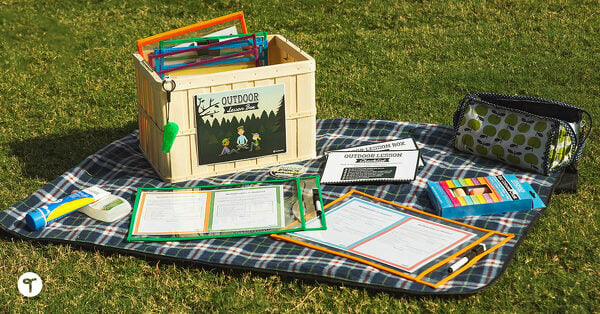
point(482, 196)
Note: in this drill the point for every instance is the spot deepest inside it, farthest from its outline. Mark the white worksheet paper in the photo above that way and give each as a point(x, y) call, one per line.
point(167, 212)
point(249, 208)
point(390, 237)
point(351, 223)
point(232, 30)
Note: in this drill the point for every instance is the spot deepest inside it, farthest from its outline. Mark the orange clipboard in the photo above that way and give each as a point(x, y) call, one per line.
point(434, 273)
point(190, 28)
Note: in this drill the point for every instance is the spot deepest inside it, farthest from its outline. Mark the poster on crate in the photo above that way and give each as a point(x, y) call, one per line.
point(240, 124)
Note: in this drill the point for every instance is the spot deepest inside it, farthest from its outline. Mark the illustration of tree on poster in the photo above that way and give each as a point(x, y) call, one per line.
point(240, 124)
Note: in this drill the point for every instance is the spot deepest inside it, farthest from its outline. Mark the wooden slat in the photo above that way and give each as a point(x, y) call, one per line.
point(281, 43)
point(306, 127)
point(291, 137)
point(307, 133)
point(180, 157)
point(306, 98)
point(178, 111)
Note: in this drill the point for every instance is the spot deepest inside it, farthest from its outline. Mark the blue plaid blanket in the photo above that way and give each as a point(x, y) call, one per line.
point(121, 168)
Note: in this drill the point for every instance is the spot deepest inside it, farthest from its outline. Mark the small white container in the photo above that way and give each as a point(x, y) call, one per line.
point(109, 208)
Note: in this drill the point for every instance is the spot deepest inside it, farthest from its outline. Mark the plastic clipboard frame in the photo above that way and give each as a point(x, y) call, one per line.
point(189, 29)
point(248, 41)
point(173, 42)
point(433, 274)
point(302, 209)
point(261, 38)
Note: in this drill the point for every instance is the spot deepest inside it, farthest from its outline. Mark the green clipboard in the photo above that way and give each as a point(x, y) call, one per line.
point(226, 210)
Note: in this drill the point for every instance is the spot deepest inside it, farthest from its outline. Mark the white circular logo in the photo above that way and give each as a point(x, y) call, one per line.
point(30, 284)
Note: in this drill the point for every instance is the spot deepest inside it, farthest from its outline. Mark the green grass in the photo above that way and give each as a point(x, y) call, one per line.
point(68, 89)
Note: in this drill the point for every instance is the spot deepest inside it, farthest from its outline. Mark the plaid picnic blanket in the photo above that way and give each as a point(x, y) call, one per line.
point(121, 168)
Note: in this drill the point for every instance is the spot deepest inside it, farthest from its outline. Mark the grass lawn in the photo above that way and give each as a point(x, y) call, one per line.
point(68, 89)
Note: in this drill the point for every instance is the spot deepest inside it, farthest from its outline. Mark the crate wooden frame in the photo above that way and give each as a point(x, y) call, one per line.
point(287, 64)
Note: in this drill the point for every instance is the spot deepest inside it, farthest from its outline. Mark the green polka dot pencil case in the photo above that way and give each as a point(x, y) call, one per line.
point(532, 133)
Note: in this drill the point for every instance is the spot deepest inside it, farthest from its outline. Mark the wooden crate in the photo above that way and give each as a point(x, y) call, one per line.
point(288, 65)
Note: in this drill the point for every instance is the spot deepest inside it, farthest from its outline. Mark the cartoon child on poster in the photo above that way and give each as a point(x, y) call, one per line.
point(226, 150)
point(242, 141)
point(255, 144)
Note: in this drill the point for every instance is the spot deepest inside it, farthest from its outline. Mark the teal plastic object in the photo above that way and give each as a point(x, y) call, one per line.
point(169, 135)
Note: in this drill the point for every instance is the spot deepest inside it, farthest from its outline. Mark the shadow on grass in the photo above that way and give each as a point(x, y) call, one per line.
point(49, 156)
point(236, 272)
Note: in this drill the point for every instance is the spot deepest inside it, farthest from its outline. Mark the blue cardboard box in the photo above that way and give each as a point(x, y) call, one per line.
point(482, 196)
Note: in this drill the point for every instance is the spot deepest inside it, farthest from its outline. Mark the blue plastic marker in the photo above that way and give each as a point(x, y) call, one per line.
point(46, 214)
